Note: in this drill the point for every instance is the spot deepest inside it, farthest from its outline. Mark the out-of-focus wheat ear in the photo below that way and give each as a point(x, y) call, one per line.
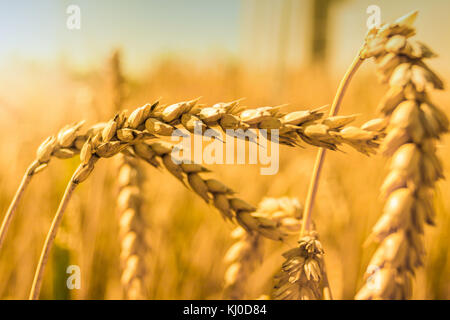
point(414, 126)
point(132, 227)
point(118, 80)
point(246, 253)
point(80, 175)
point(66, 144)
point(302, 275)
point(242, 258)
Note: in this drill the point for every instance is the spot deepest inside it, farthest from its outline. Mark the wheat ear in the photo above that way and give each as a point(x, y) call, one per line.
point(242, 258)
point(308, 126)
point(415, 125)
point(66, 144)
point(132, 227)
point(302, 275)
point(246, 253)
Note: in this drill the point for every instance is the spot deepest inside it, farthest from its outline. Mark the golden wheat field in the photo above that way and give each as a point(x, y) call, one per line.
point(133, 230)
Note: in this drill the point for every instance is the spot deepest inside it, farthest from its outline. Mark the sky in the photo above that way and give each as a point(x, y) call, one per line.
point(36, 30)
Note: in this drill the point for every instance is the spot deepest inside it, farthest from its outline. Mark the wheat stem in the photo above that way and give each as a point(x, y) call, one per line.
point(37, 282)
point(15, 202)
point(314, 183)
point(81, 174)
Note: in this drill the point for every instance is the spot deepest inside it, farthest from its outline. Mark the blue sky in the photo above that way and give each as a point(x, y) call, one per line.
point(36, 29)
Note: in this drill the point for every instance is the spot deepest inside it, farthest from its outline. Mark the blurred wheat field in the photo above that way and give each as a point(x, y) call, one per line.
point(187, 238)
point(291, 52)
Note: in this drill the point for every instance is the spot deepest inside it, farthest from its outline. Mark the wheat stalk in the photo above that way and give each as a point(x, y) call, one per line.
point(320, 158)
point(82, 173)
point(296, 280)
point(246, 253)
point(303, 275)
point(415, 125)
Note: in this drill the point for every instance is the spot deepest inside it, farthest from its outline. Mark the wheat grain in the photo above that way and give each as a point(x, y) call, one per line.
point(414, 126)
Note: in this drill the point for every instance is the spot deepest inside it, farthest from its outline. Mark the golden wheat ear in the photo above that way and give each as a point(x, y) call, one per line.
point(414, 126)
point(303, 274)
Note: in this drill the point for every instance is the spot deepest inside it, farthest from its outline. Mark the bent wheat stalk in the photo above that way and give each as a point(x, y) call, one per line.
point(316, 287)
point(81, 174)
point(15, 201)
point(415, 124)
point(320, 158)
